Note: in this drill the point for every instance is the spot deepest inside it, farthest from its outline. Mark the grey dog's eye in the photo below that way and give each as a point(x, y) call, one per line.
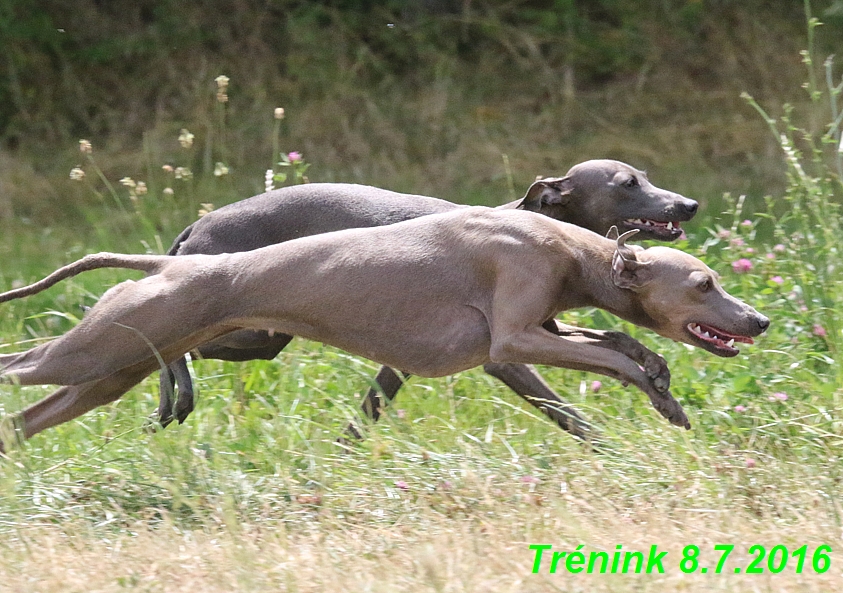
point(704, 285)
point(631, 182)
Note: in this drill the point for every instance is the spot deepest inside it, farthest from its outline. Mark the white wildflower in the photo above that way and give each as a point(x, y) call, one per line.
point(183, 173)
point(222, 87)
point(220, 169)
point(185, 138)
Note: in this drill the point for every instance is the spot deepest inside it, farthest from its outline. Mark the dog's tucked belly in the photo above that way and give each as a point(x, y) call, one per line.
point(443, 343)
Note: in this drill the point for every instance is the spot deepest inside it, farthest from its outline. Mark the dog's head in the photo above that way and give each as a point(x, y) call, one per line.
point(678, 297)
point(599, 194)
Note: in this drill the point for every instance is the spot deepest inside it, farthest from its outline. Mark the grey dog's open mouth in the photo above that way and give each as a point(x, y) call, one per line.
point(716, 340)
point(662, 229)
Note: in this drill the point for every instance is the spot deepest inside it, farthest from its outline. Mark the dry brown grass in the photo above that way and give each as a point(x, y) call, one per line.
point(483, 551)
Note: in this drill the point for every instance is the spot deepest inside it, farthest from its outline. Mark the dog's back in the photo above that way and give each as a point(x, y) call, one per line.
point(291, 212)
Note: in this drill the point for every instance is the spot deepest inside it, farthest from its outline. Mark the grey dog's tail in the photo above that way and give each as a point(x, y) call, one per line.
point(145, 263)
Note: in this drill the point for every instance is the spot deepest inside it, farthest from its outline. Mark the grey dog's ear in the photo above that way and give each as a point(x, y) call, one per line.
point(613, 233)
point(551, 191)
point(627, 271)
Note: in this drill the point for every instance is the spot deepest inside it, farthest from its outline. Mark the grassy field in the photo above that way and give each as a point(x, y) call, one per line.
point(460, 477)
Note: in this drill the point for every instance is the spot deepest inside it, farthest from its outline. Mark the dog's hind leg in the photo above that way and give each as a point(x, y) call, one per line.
point(176, 372)
point(69, 402)
point(388, 383)
point(237, 346)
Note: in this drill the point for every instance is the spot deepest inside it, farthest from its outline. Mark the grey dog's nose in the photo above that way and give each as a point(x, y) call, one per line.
point(690, 207)
point(763, 322)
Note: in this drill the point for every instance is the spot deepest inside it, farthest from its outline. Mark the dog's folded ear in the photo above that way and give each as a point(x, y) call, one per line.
point(627, 271)
point(552, 191)
point(613, 233)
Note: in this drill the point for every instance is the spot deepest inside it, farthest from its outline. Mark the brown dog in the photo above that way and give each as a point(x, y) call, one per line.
point(434, 296)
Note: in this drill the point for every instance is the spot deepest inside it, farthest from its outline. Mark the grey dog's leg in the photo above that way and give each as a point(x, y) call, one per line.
point(176, 372)
point(72, 401)
point(388, 383)
point(262, 346)
point(526, 382)
point(236, 347)
point(654, 364)
point(522, 379)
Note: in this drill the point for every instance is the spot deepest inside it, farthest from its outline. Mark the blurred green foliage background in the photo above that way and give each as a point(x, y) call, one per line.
point(426, 96)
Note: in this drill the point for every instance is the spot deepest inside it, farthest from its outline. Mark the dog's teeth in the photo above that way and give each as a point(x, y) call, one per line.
point(706, 336)
point(670, 226)
point(730, 343)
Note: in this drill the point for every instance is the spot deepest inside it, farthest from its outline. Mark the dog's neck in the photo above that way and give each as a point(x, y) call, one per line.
point(600, 291)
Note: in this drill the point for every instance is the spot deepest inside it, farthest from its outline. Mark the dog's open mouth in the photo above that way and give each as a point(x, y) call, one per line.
point(716, 340)
point(669, 230)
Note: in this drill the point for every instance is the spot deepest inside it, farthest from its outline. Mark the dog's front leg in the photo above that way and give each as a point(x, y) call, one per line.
point(526, 382)
point(534, 344)
point(654, 364)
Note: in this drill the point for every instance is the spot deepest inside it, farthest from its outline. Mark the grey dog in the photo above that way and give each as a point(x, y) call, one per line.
point(434, 296)
point(596, 195)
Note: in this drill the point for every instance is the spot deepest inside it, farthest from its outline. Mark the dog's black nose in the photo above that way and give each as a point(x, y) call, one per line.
point(690, 207)
point(763, 323)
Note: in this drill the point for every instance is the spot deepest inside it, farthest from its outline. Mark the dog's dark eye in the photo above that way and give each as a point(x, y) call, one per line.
point(631, 182)
point(704, 285)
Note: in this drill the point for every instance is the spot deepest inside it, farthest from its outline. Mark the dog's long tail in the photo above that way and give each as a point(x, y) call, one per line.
point(145, 263)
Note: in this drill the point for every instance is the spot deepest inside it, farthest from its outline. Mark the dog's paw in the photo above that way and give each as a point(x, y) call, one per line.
point(681, 420)
point(184, 406)
point(656, 368)
point(667, 406)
